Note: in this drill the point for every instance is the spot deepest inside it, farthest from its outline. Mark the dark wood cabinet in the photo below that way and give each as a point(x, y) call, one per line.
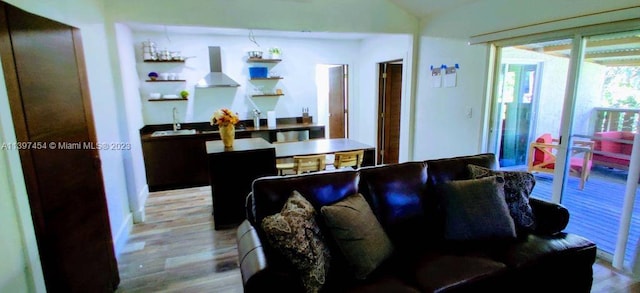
point(231, 173)
point(181, 161)
point(175, 163)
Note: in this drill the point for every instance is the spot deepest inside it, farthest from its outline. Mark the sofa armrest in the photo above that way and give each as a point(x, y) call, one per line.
point(550, 217)
point(250, 254)
point(257, 275)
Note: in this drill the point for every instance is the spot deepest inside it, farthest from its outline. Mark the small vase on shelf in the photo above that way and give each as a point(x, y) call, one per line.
point(227, 134)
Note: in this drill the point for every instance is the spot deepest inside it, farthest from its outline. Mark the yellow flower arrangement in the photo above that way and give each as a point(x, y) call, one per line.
point(224, 117)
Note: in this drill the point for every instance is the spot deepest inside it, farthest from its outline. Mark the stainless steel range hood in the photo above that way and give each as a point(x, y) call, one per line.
point(215, 78)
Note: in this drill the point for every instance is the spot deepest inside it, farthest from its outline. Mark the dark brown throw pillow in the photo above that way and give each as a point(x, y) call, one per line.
point(518, 186)
point(475, 209)
point(295, 233)
point(358, 233)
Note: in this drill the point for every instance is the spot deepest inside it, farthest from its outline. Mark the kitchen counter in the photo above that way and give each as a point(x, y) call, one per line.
point(180, 161)
point(243, 129)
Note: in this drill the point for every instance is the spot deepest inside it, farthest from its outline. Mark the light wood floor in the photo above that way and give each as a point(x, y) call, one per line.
point(176, 249)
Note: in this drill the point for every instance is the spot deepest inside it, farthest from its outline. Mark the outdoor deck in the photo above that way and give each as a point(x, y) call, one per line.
point(595, 211)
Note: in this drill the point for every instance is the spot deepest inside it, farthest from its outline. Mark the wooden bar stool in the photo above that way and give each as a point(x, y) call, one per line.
point(348, 159)
point(283, 165)
point(310, 163)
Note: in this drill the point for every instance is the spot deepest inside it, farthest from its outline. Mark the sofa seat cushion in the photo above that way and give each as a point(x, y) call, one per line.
point(610, 160)
point(443, 273)
point(383, 284)
point(535, 248)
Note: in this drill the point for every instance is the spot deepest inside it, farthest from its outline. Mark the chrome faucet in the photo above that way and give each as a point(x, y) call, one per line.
point(256, 118)
point(176, 125)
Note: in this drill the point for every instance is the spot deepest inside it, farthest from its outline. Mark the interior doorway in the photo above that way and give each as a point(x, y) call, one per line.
point(333, 103)
point(389, 104)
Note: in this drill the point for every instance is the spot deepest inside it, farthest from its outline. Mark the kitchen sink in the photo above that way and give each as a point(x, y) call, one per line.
point(173, 132)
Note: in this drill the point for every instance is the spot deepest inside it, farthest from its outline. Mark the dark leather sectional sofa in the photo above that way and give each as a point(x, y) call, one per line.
point(404, 200)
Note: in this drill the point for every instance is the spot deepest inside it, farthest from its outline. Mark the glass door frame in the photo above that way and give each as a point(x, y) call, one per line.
point(579, 37)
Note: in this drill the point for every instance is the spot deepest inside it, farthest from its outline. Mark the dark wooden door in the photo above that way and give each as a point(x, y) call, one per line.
point(48, 94)
point(337, 102)
point(389, 103)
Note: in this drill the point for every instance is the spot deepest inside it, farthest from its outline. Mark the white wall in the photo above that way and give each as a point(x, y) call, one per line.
point(131, 106)
point(109, 123)
point(443, 127)
point(299, 56)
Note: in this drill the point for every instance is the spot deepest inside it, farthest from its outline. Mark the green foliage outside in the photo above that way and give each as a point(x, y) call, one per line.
point(622, 87)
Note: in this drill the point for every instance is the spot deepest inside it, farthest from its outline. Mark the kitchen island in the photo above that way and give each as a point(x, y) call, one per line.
point(180, 160)
point(231, 173)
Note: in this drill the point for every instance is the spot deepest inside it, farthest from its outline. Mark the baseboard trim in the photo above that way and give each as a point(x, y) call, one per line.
point(139, 215)
point(123, 235)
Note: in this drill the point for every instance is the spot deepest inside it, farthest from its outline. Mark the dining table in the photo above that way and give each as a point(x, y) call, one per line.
point(324, 146)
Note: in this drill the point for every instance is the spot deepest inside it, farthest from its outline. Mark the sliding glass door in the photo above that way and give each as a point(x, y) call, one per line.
point(568, 109)
point(527, 106)
point(605, 121)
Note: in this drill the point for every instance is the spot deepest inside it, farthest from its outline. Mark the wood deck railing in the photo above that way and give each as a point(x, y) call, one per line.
point(611, 119)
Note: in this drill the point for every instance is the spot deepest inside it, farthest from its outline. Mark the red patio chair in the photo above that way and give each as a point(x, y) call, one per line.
point(542, 157)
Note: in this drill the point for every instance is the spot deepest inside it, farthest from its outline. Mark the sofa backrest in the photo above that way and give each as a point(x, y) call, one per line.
point(626, 148)
point(608, 145)
point(402, 196)
point(322, 188)
point(455, 168)
point(395, 194)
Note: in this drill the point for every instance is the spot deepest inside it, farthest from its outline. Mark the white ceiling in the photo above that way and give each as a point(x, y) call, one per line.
point(422, 8)
point(419, 8)
point(245, 32)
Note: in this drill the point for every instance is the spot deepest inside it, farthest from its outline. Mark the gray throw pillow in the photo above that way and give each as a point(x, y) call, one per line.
point(295, 233)
point(475, 209)
point(518, 186)
point(358, 233)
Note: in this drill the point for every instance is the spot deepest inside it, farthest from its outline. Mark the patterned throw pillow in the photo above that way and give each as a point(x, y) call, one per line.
point(517, 189)
point(295, 233)
point(359, 235)
point(475, 209)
